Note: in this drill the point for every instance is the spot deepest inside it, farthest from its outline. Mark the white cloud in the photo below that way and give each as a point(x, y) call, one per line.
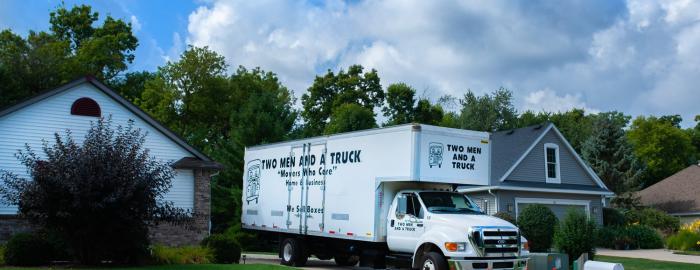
point(548, 101)
point(135, 24)
point(635, 56)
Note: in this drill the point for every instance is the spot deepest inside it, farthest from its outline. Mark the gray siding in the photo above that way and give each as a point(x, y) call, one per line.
point(532, 169)
point(595, 204)
point(486, 201)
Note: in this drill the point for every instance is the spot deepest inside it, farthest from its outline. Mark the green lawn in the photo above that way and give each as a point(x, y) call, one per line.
point(644, 264)
point(185, 267)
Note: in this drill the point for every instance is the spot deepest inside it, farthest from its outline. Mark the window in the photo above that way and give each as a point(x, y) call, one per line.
point(85, 107)
point(408, 204)
point(551, 165)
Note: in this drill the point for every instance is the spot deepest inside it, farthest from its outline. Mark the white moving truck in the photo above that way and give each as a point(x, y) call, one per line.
point(379, 194)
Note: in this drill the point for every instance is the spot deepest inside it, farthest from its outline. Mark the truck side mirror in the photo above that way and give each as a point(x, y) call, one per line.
point(402, 205)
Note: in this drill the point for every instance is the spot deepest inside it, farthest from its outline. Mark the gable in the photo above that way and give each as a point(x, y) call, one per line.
point(40, 120)
point(532, 168)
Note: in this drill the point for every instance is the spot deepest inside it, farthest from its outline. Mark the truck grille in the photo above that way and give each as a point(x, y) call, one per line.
point(495, 241)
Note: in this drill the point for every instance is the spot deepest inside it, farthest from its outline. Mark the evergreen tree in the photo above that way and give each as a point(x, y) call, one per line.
point(610, 154)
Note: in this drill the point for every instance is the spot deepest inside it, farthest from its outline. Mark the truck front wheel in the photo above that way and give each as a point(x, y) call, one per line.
point(292, 252)
point(433, 261)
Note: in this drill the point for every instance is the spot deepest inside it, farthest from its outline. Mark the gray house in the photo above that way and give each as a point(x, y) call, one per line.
point(536, 165)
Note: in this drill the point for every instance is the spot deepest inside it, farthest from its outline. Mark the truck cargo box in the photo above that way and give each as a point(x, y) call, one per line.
point(339, 185)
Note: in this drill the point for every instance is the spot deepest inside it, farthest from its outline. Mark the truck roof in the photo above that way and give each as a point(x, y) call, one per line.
point(403, 127)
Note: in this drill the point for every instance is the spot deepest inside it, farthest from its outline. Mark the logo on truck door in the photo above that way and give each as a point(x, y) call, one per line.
point(253, 188)
point(435, 154)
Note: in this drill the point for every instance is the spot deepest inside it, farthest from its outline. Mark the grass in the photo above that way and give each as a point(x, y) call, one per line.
point(644, 264)
point(182, 266)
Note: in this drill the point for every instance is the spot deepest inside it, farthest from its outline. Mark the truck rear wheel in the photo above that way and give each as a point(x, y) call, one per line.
point(292, 252)
point(346, 260)
point(433, 261)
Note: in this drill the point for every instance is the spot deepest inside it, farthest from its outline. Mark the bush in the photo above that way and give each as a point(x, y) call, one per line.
point(225, 247)
point(653, 218)
point(505, 216)
point(2, 255)
point(613, 217)
point(102, 212)
point(688, 238)
point(537, 223)
point(576, 235)
point(26, 249)
point(644, 237)
point(181, 255)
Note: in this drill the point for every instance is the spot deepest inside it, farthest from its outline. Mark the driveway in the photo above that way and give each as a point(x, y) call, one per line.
point(312, 264)
point(651, 254)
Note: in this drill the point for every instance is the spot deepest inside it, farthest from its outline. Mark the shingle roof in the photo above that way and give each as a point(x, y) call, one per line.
point(678, 193)
point(509, 145)
point(119, 99)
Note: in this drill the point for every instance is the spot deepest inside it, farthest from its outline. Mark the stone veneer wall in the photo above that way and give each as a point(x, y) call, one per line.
point(164, 234)
point(172, 235)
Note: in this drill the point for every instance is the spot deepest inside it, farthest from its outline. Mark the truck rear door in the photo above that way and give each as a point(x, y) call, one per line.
point(307, 189)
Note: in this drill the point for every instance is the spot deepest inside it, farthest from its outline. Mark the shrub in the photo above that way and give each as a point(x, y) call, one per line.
point(653, 218)
point(537, 223)
point(644, 237)
point(607, 236)
point(181, 255)
point(576, 234)
point(505, 216)
point(2, 255)
point(102, 212)
point(688, 238)
point(26, 249)
point(225, 247)
point(613, 217)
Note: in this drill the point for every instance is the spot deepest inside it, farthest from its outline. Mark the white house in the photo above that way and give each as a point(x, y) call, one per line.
point(73, 107)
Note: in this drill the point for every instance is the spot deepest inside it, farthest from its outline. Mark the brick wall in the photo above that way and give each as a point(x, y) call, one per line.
point(173, 235)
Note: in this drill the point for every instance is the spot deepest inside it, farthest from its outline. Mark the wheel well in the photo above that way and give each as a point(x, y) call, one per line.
point(422, 250)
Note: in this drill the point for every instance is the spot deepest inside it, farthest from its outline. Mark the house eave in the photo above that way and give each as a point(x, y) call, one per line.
point(530, 189)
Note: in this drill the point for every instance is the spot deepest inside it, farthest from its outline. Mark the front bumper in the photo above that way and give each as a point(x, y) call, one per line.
point(490, 264)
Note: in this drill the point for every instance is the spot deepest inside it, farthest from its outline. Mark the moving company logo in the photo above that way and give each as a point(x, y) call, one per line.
point(253, 188)
point(435, 150)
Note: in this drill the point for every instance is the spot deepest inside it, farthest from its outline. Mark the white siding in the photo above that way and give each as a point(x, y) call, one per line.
point(39, 121)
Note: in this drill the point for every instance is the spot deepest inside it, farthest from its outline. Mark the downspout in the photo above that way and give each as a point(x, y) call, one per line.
point(495, 199)
point(210, 177)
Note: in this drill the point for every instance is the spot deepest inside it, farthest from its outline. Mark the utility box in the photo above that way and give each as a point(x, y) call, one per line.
point(548, 261)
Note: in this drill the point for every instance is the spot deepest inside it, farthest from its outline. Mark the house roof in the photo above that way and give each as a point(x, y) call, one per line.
point(678, 193)
point(119, 99)
point(510, 147)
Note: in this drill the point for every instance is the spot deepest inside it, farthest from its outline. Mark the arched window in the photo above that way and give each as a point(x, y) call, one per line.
point(85, 106)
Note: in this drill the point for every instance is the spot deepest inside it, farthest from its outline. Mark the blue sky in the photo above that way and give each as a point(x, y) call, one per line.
point(639, 57)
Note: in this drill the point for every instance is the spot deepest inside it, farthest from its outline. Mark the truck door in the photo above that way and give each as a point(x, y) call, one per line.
point(405, 223)
point(306, 189)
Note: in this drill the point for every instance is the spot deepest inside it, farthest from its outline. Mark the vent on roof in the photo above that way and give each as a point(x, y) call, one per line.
point(537, 127)
point(510, 132)
point(86, 107)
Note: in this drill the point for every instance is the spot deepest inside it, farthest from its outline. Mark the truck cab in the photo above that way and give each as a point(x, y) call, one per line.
point(447, 230)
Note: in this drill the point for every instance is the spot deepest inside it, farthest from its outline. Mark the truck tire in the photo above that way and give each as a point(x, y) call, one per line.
point(433, 261)
point(292, 252)
point(346, 260)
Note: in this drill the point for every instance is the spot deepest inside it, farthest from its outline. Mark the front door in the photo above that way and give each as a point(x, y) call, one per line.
point(405, 223)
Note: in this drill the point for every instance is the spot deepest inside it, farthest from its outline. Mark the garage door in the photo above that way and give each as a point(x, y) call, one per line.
point(559, 207)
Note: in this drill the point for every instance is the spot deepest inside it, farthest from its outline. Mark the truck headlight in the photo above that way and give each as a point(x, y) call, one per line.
point(455, 246)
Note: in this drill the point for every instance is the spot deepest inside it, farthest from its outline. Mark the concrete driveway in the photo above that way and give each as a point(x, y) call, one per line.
point(651, 254)
point(312, 264)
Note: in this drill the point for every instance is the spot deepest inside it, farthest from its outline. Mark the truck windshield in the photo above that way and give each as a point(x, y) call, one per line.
point(449, 203)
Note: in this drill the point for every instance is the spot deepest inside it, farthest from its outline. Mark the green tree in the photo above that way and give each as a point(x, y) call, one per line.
point(490, 112)
point(333, 90)
point(350, 117)
point(576, 235)
point(530, 118)
point(575, 125)
point(663, 147)
point(73, 47)
point(220, 115)
point(132, 84)
point(427, 113)
point(609, 153)
point(400, 99)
